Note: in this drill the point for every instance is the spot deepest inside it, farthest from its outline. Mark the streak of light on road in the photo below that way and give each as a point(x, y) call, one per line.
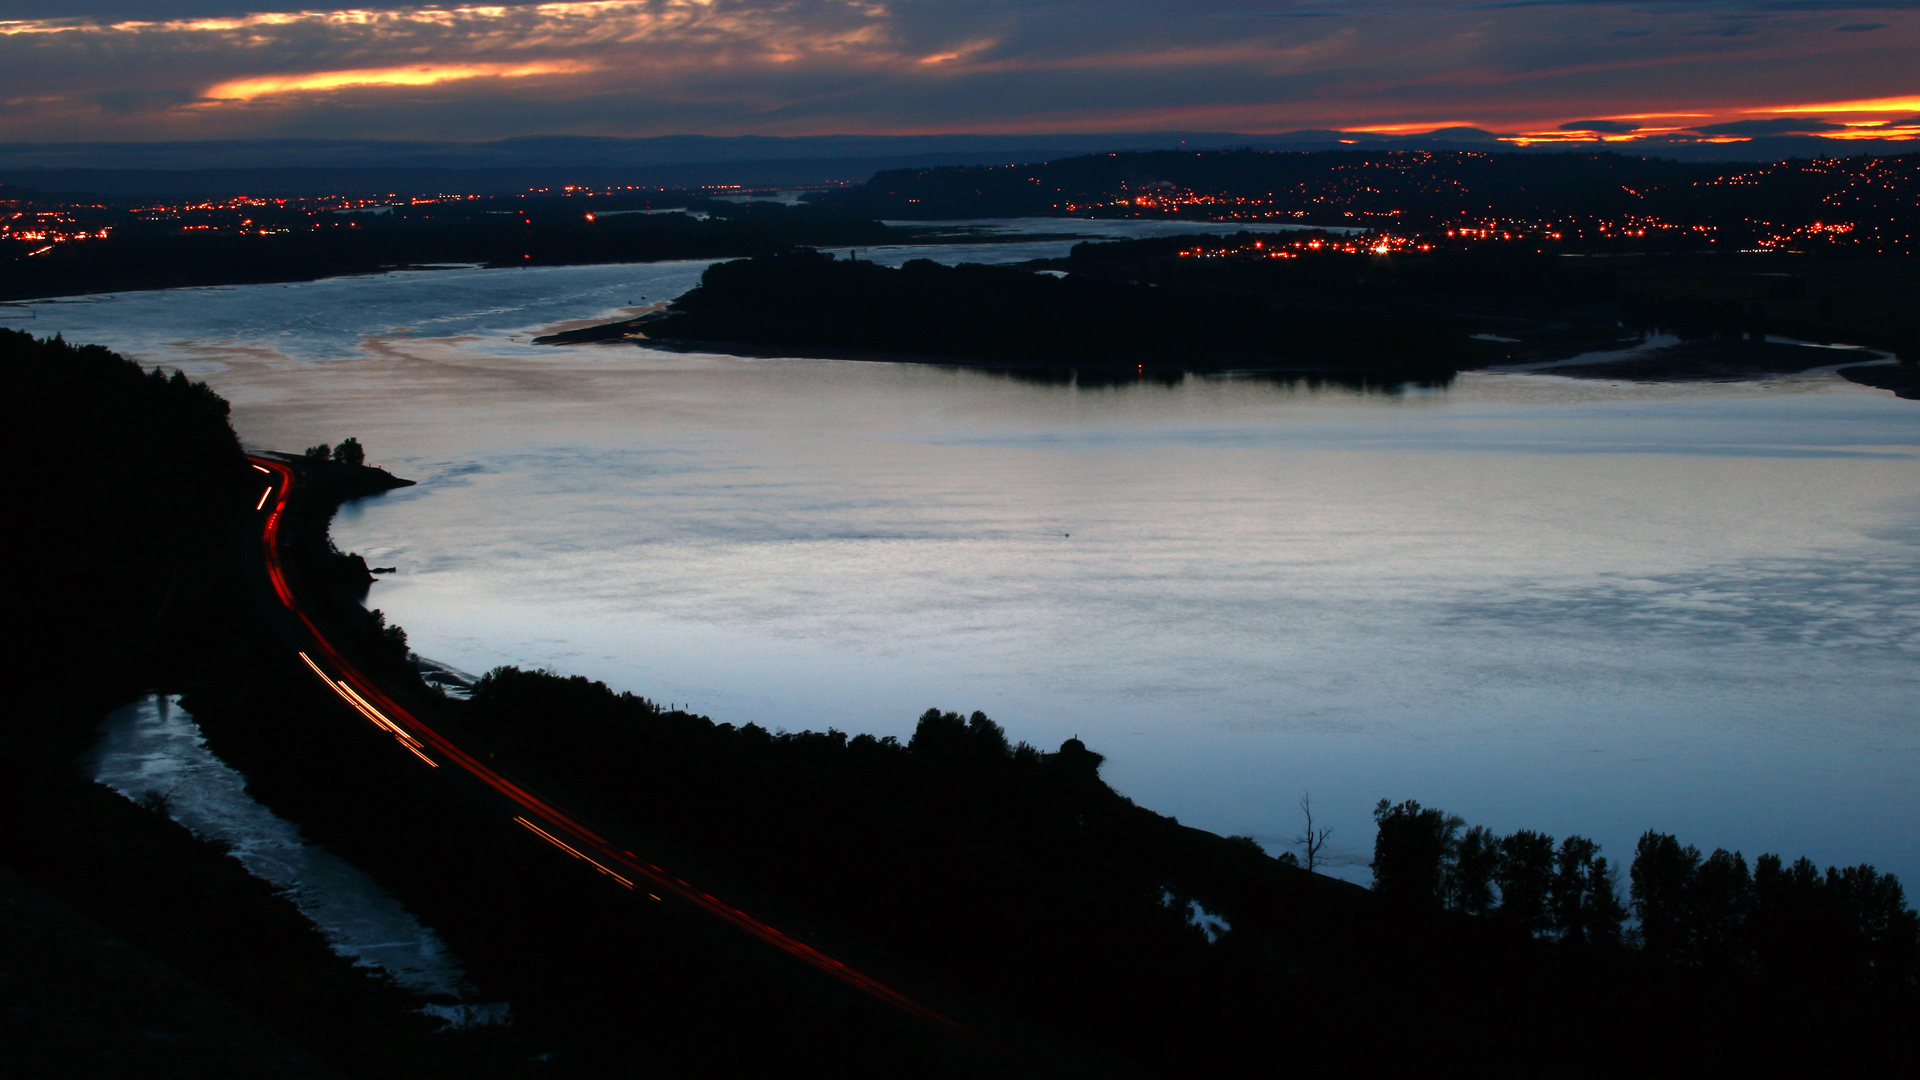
point(364, 695)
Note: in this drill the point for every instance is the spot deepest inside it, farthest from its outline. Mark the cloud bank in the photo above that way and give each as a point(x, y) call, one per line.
point(186, 69)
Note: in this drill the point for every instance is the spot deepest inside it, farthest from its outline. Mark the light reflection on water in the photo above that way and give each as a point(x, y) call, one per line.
point(153, 753)
point(1534, 601)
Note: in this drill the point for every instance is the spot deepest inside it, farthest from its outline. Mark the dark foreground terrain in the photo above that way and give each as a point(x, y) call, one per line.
point(1003, 885)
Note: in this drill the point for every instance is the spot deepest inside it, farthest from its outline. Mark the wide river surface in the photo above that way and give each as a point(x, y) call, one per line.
point(1533, 601)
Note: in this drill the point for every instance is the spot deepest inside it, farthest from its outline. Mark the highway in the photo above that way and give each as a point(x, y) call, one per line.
point(364, 695)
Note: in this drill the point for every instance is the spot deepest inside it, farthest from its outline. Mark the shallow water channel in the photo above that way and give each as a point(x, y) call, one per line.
point(153, 753)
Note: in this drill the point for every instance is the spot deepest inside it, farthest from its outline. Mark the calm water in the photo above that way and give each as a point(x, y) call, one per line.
point(1536, 602)
point(153, 753)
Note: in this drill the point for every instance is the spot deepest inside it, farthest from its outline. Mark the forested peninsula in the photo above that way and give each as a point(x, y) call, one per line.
point(1008, 886)
point(806, 302)
point(1312, 305)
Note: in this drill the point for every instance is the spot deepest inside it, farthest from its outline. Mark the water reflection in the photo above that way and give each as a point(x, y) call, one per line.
point(1867, 604)
point(1360, 384)
point(153, 753)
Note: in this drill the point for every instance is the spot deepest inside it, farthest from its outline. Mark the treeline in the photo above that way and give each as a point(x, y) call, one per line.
point(349, 452)
point(1010, 878)
point(1015, 880)
point(807, 301)
point(1847, 930)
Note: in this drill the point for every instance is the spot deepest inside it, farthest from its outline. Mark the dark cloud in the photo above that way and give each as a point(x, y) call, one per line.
point(154, 10)
point(1859, 27)
point(1781, 126)
point(459, 70)
point(1461, 134)
point(1605, 127)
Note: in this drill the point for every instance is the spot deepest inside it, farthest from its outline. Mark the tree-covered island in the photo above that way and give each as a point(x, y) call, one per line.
point(1308, 304)
point(806, 302)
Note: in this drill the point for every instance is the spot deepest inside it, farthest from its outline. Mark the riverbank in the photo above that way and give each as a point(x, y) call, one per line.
point(1903, 380)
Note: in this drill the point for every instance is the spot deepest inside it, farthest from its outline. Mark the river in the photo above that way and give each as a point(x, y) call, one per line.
point(1538, 602)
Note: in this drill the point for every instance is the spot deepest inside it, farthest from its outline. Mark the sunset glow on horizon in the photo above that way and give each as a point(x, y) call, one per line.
point(1540, 71)
point(424, 75)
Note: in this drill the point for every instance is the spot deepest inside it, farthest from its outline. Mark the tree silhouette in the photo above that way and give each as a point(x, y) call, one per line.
point(1411, 852)
point(1311, 840)
point(1585, 907)
point(1661, 887)
point(1476, 857)
point(1525, 876)
point(1722, 898)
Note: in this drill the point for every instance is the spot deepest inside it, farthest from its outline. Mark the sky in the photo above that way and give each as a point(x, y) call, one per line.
point(1530, 70)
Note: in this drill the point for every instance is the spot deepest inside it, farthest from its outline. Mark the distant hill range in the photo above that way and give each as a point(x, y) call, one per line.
point(1863, 202)
point(304, 167)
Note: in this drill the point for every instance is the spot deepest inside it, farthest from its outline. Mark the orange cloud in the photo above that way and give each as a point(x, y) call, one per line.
point(420, 75)
point(1409, 129)
point(1909, 104)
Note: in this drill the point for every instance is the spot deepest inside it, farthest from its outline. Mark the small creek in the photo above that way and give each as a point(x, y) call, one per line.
point(153, 752)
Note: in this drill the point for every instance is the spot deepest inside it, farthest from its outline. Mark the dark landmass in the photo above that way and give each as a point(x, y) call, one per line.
point(1303, 304)
point(260, 241)
point(1562, 201)
point(1903, 380)
point(101, 1007)
point(1007, 318)
point(1004, 885)
point(1528, 307)
point(132, 546)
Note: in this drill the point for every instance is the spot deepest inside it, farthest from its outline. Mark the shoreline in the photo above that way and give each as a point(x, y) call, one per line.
point(1675, 361)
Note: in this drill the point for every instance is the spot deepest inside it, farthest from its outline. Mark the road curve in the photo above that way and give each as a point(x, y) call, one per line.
point(365, 696)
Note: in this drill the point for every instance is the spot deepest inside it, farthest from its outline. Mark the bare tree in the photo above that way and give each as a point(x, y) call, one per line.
point(1312, 840)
